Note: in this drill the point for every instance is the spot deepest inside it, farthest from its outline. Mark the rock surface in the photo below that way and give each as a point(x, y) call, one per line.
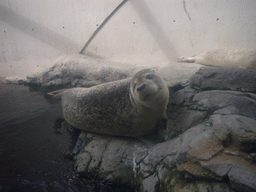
point(224, 78)
point(208, 143)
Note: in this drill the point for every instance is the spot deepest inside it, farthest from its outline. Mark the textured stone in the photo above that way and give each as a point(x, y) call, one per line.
point(150, 183)
point(15, 80)
point(113, 156)
point(224, 78)
point(205, 145)
point(184, 120)
point(242, 178)
point(197, 171)
point(235, 130)
point(216, 100)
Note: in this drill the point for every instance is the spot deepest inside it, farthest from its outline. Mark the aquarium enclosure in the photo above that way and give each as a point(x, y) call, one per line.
point(128, 95)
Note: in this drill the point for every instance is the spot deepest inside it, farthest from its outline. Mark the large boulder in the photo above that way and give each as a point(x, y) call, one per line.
point(224, 78)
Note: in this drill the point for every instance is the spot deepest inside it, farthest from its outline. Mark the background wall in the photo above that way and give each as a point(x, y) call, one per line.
point(35, 33)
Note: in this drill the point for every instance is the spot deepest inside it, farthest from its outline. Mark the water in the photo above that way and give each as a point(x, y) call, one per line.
point(31, 153)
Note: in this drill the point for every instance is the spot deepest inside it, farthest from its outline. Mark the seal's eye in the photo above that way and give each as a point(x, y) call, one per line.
point(150, 76)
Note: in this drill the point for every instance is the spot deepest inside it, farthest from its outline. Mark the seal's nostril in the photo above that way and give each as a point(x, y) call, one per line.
point(140, 88)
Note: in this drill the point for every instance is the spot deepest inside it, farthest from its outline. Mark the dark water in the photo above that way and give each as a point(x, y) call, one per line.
point(31, 153)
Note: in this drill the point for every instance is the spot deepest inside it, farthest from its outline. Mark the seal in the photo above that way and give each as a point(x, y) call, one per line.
point(131, 107)
point(244, 58)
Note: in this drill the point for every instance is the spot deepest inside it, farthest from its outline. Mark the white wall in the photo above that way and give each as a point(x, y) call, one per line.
point(34, 33)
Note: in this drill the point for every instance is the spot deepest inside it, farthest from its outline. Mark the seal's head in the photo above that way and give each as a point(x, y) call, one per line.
point(149, 89)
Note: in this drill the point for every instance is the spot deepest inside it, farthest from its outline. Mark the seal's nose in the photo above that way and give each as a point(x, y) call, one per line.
point(140, 88)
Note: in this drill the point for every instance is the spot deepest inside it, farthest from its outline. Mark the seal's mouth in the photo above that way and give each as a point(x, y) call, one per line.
point(146, 91)
point(142, 87)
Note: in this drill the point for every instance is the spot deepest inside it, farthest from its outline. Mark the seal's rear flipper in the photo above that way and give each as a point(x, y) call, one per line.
point(187, 60)
point(57, 94)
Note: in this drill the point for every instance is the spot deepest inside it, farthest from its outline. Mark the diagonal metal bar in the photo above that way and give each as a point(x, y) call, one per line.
point(102, 25)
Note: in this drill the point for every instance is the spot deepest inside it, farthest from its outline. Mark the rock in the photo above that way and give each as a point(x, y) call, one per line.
point(15, 80)
point(235, 130)
point(183, 120)
point(178, 73)
point(204, 145)
point(221, 187)
point(196, 170)
point(114, 157)
point(224, 78)
point(242, 178)
point(217, 101)
point(149, 184)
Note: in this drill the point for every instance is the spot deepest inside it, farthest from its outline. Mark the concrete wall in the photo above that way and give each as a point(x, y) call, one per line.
point(35, 33)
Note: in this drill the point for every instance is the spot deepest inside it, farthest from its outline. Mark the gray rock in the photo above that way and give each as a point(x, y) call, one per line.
point(221, 187)
point(240, 103)
point(15, 80)
point(183, 120)
point(205, 145)
point(114, 157)
point(157, 154)
point(149, 184)
point(177, 98)
point(224, 78)
point(202, 187)
point(235, 130)
point(242, 178)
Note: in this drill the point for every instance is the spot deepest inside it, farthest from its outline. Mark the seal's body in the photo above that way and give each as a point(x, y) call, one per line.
point(245, 58)
point(130, 107)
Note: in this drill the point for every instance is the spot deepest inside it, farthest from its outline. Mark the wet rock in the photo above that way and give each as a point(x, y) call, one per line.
point(15, 80)
point(242, 178)
point(200, 147)
point(235, 130)
point(232, 102)
point(224, 78)
point(149, 184)
point(183, 120)
point(114, 157)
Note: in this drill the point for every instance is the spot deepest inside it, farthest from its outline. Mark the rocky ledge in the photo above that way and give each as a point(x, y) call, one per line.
point(208, 142)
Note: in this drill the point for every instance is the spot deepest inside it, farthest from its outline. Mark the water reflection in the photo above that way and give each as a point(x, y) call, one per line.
point(31, 153)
